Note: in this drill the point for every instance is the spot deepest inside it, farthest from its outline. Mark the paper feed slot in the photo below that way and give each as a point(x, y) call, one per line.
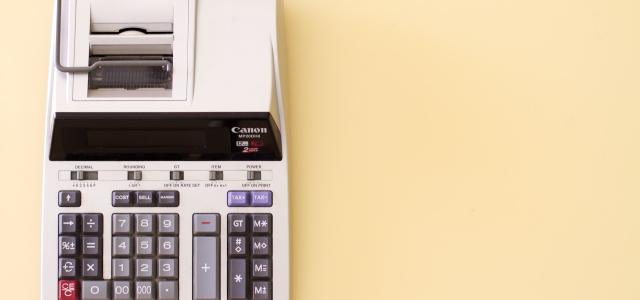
point(134, 47)
point(127, 50)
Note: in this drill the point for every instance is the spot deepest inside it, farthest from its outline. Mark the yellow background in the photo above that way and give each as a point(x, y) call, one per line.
point(454, 149)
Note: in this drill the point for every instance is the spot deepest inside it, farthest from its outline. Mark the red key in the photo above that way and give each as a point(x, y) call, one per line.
point(68, 290)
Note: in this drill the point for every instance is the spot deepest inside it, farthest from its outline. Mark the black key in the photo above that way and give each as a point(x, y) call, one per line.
point(67, 224)
point(237, 246)
point(261, 290)
point(121, 198)
point(237, 223)
point(67, 268)
point(261, 223)
point(91, 268)
point(91, 246)
point(144, 198)
point(92, 224)
point(261, 246)
point(261, 268)
point(67, 246)
point(168, 198)
point(69, 199)
point(237, 279)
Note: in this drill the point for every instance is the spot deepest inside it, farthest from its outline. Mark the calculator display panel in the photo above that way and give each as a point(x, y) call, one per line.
point(165, 137)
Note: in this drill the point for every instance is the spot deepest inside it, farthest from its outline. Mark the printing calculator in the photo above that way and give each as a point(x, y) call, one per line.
point(165, 169)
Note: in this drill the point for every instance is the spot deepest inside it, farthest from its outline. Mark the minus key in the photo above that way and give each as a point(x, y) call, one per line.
point(206, 224)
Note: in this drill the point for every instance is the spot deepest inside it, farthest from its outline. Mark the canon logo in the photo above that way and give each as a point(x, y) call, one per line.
point(248, 130)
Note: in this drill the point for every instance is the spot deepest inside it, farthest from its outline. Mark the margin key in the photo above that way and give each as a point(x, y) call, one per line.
point(206, 268)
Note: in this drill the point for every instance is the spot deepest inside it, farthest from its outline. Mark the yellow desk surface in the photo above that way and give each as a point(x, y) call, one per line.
point(440, 150)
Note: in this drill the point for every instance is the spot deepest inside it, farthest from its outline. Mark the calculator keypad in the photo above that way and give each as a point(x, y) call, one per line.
point(145, 251)
point(80, 256)
point(249, 251)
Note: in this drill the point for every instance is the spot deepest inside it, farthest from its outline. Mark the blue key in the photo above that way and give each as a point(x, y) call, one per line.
point(237, 198)
point(261, 198)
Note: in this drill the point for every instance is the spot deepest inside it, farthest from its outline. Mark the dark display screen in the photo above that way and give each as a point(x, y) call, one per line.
point(164, 137)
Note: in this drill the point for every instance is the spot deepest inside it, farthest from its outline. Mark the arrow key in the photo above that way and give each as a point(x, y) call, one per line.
point(69, 198)
point(67, 224)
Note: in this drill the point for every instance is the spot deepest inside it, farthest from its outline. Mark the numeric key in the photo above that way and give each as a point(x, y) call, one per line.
point(145, 224)
point(121, 246)
point(122, 290)
point(145, 269)
point(121, 268)
point(145, 290)
point(145, 246)
point(95, 290)
point(168, 268)
point(168, 224)
point(168, 246)
point(121, 224)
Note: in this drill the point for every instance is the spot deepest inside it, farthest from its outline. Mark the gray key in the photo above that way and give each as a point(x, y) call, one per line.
point(168, 224)
point(69, 198)
point(261, 290)
point(121, 246)
point(261, 246)
point(168, 246)
point(122, 290)
point(261, 223)
point(145, 223)
point(91, 246)
point(91, 268)
point(168, 268)
point(237, 246)
point(95, 290)
point(237, 279)
point(92, 224)
point(67, 224)
point(67, 268)
point(121, 268)
point(121, 198)
point(144, 198)
point(145, 268)
point(206, 224)
point(237, 223)
point(261, 268)
point(121, 224)
point(145, 290)
point(206, 268)
point(145, 246)
point(167, 290)
point(67, 246)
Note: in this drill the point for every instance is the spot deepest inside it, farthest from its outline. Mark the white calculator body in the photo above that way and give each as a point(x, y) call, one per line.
point(165, 170)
